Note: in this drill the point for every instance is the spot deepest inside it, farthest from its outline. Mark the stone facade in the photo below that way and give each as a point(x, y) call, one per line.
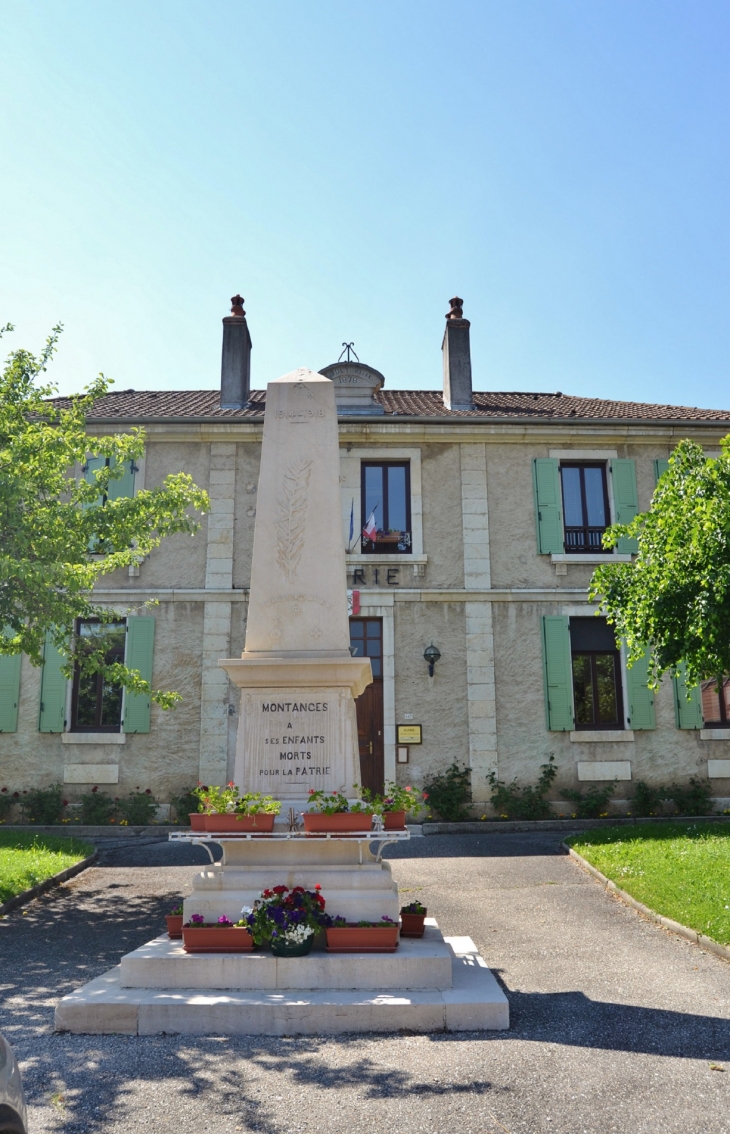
point(473, 582)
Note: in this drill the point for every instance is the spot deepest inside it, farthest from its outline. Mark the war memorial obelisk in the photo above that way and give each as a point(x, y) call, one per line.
point(297, 730)
point(298, 681)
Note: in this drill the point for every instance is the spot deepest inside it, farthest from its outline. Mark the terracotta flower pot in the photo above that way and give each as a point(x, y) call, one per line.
point(285, 949)
point(261, 824)
point(358, 939)
point(394, 820)
point(216, 939)
point(197, 821)
point(344, 822)
point(174, 926)
point(412, 924)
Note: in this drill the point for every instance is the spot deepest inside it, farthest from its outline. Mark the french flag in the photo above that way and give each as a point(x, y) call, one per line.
point(370, 530)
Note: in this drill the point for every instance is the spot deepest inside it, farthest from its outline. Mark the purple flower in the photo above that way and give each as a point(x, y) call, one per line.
point(224, 920)
point(197, 919)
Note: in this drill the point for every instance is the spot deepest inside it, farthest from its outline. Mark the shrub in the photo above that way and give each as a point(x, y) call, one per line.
point(449, 793)
point(43, 805)
point(524, 802)
point(138, 808)
point(6, 803)
point(647, 800)
point(187, 803)
point(695, 798)
point(591, 803)
point(96, 807)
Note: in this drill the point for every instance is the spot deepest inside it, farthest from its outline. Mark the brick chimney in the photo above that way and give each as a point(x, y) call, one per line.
point(236, 358)
point(457, 359)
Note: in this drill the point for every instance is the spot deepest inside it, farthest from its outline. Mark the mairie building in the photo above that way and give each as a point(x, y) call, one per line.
point(473, 520)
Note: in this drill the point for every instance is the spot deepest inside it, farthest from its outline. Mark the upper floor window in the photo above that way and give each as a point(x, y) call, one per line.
point(96, 705)
point(716, 702)
point(585, 506)
point(386, 507)
point(596, 667)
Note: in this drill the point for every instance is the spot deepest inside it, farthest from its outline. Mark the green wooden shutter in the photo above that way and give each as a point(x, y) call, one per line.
point(138, 655)
point(125, 486)
point(558, 673)
point(661, 464)
point(93, 464)
point(641, 697)
point(53, 689)
point(625, 500)
point(687, 702)
point(548, 505)
point(9, 691)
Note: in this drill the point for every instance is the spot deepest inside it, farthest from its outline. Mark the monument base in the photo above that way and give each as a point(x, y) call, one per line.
point(355, 992)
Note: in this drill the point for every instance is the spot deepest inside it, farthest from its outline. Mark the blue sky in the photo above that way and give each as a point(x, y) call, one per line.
point(349, 166)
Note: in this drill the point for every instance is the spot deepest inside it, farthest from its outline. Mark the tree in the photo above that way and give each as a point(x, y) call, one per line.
point(60, 533)
point(675, 595)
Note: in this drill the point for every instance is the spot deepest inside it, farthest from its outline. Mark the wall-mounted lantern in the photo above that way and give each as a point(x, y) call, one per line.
point(432, 655)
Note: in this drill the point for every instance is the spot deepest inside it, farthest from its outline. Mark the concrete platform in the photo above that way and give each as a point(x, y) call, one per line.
point(474, 1002)
point(417, 964)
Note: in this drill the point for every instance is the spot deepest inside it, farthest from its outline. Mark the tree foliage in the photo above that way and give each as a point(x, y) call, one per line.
point(675, 595)
point(50, 517)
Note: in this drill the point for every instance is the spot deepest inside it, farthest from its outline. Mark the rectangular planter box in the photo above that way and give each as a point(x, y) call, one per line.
point(174, 926)
point(262, 824)
point(358, 939)
point(394, 820)
point(343, 823)
point(412, 924)
point(215, 939)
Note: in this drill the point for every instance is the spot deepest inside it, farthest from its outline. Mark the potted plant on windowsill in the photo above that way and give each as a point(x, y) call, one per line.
point(252, 812)
point(221, 936)
point(413, 918)
point(287, 918)
point(362, 936)
point(332, 814)
point(174, 922)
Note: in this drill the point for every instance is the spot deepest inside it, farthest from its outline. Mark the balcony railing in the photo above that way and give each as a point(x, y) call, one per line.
point(584, 539)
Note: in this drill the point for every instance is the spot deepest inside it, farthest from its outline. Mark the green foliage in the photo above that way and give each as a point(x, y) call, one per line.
point(513, 802)
point(414, 908)
point(333, 804)
point(49, 520)
point(591, 803)
point(43, 805)
point(26, 860)
point(6, 804)
point(448, 794)
point(254, 803)
point(96, 807)
point(138, 808)
point(694, 798)
point(216, 800)
point(675, 596)
point(647, 800)
point(681, 870)
point(394, 798)
point(187, 803)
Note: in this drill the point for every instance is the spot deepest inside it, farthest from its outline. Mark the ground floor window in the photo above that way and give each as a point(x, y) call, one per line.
point(96, 705)
point(716, 702)
point(596, 665)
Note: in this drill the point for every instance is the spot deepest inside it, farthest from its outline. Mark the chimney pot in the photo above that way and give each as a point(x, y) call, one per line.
point(456, 351)
point(236, 358)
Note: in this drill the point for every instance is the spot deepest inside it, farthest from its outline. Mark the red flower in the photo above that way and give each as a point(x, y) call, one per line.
point(148, 791)
point(64, 803)
point(95, 788)
point(4, 789)
point(425, 795)
point(317, 886)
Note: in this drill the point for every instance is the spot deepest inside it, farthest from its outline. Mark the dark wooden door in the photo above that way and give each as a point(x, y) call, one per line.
point(366, 639)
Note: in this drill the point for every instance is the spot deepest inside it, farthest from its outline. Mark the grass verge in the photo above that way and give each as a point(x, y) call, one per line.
point(27, 859)
point(681, 870)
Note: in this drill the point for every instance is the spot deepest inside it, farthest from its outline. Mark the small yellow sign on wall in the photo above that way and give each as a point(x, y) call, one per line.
point(410, 734)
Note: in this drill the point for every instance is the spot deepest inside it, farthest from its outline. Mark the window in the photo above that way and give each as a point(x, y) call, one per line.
point(96, 706)
point(585, 506)
point(716, 702)
point(596, 665)
point(386, 496)
point(366, 641)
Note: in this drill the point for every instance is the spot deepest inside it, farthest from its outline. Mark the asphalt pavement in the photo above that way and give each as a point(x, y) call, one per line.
point(616, 1023)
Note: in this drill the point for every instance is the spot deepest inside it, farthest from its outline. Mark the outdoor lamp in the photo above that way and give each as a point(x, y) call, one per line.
point(432, 655)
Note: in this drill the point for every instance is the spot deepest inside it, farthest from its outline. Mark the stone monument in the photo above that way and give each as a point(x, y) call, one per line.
point(297, 727)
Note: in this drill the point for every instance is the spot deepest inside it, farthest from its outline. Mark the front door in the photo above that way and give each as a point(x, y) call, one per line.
point(366, 640)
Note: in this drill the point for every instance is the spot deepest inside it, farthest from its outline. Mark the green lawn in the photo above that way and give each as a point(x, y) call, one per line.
point(26, 859)
point(681, 870)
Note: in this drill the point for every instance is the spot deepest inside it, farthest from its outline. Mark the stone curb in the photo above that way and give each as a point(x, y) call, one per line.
point(494, 826)
point(699, 939)
point(47, 884)
point(78, 830)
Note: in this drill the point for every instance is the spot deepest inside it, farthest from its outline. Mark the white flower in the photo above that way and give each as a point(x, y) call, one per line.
point(297, 934)
point(246, 911)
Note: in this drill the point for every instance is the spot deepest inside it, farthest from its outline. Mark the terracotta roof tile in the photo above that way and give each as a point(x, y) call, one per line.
point(161, 405)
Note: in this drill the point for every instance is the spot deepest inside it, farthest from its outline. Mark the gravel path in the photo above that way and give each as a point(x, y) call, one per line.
point(615, 1022)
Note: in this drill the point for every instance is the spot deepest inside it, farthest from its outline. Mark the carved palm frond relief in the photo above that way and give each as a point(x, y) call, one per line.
point(291, 518)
